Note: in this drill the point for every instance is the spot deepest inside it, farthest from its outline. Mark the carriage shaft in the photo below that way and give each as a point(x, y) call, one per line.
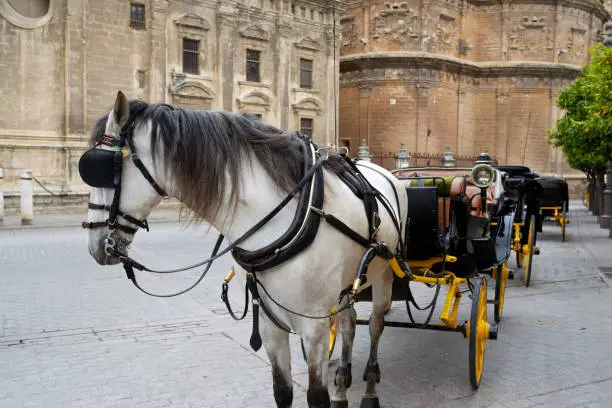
point(436, 327)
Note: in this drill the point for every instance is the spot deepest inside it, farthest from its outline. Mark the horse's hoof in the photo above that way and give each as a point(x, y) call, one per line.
point(369, 402)
point(339, 404)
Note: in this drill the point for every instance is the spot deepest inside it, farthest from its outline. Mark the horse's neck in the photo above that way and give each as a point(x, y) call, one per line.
point(258, 196)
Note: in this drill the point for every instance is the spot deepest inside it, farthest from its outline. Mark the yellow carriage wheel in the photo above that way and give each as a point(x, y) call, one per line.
point(478, 330)
point(501, 276)
point(530, 250)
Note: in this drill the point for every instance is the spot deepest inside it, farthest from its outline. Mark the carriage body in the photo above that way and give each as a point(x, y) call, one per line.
point(554, 201)
point(457, 232)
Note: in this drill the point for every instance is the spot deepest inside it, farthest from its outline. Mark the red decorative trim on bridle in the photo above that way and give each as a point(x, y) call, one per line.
point(108, 140)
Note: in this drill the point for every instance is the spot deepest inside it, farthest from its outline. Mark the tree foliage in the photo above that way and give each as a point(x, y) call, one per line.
point(585, 131)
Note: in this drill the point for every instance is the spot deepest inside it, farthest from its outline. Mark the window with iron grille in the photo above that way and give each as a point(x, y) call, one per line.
point(252, 65)
point(191, 51)
point(305, 73)
point(306, 126)
point(137, 16)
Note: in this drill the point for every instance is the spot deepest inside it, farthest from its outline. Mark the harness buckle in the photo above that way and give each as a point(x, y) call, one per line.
point(109, 246)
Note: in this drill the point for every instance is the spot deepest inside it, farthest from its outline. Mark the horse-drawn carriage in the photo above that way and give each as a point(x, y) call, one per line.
point(554, 201)
point(522, 187)
point(459, 230)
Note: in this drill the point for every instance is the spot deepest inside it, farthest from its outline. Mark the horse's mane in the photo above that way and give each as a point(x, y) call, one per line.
point(200, 147)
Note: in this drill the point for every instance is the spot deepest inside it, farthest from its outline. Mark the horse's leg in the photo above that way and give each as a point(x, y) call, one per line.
point(381, 295)
point(316, 344)
point(343, 378)
point(276, 343)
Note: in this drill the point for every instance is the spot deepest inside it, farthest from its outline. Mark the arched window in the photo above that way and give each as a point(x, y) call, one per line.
point(27, 13)
point(30, 8)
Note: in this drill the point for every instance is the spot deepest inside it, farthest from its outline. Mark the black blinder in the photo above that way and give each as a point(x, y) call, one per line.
point(96, 168)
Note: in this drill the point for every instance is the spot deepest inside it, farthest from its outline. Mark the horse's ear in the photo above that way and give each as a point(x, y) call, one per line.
point(121, 110)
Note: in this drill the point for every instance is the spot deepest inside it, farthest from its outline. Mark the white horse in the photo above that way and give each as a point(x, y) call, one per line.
point(231, 171)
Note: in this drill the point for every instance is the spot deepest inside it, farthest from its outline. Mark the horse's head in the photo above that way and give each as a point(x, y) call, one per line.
point(119, 168)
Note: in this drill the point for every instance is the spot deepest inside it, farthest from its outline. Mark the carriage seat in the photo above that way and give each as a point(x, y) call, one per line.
point(450, 183)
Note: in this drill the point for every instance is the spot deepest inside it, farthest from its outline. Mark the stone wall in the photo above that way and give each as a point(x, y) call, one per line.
point(464, 76)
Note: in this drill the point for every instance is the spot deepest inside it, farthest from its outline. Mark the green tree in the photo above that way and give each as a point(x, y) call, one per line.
point(584, 133)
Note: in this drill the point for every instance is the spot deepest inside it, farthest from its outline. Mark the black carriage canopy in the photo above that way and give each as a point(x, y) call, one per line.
point(516, 171)
point(555, 191)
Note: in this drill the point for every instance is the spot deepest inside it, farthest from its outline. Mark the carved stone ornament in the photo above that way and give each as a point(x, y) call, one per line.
point(191, 89)
point(254, 99)
point(446, 33)
point(349, 32)
point(255, 32)
point(397, 23)
point(308, 43)
point(191, 21)
point(576, 43)
point(309, 103)
point(531, 37)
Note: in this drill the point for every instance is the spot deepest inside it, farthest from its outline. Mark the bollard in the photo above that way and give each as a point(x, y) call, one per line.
point(1, 197)
point(606, 214)
point(27, 197)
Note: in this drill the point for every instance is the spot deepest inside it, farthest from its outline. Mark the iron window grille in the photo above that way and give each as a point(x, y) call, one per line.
point(306, 126)
point(305, 73)
point(252, 66)
point(137, 16)
point(191, 52)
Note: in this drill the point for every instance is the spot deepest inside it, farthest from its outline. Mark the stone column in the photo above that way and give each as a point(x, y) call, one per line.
point(606, 214)
point(27, 197)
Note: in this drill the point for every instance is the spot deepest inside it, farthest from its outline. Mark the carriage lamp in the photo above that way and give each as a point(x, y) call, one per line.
point(483, 175)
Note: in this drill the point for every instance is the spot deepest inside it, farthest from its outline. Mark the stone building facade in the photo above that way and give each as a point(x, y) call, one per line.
point(63, 61)
point(464, 76)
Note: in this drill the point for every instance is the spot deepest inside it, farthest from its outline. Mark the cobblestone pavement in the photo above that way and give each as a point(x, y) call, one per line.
point(76, 334)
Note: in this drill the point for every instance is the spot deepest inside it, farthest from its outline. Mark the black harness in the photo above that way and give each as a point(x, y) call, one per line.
point(102, 168)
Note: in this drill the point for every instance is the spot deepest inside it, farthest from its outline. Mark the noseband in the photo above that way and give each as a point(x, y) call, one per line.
point(102, 169)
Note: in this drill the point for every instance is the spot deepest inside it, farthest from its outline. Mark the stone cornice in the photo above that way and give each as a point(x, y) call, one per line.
point(591, 6)
point(412, 59)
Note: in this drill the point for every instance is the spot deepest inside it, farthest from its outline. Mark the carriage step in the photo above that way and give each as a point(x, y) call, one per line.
point(536, 251)
point(510, 274)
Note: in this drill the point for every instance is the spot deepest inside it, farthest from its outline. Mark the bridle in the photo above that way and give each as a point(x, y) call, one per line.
point(102, 168)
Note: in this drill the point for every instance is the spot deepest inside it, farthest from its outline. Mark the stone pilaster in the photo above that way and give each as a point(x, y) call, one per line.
point(158, 77)
point(501, 145)
point(421, 142)
point(226, 53)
